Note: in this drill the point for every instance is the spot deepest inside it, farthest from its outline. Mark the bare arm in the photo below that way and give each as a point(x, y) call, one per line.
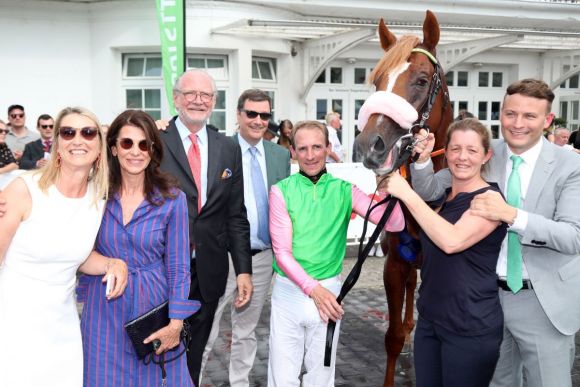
point(98, 264)
point(9, 167)
point(451, 238)
point(18, 198)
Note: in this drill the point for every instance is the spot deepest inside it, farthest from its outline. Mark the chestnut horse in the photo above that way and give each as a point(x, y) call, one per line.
point(411, 94)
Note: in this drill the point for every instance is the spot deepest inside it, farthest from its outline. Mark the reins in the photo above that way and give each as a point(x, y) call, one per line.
point(363, 250)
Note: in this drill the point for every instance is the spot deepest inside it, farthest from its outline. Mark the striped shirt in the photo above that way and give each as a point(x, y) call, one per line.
point(155, 246)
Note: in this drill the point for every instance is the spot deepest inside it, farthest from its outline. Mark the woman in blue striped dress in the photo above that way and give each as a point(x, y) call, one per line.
point(145, 224)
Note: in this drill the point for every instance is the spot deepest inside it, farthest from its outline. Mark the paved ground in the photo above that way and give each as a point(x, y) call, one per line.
point(360, 358)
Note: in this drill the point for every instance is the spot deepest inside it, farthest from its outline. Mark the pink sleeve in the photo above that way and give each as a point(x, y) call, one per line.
point(281, 234)
point(360, 205)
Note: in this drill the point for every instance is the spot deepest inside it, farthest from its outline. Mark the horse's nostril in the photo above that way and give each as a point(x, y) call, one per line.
point(378, 145)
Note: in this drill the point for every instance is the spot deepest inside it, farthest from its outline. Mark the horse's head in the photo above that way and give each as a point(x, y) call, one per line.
point(411, 94)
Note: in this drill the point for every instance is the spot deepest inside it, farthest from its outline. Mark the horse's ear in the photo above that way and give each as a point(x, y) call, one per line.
point(430, 31)
point(388, 40)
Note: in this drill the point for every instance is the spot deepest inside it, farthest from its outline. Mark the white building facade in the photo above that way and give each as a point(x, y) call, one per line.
point(312, 56)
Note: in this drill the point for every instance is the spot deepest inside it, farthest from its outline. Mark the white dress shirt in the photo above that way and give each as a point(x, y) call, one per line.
point(525, 170)
point(249, 200)
point(203, 151)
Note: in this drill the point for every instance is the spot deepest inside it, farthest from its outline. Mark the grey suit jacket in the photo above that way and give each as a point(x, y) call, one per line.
point(277, 161)
point(551, 240)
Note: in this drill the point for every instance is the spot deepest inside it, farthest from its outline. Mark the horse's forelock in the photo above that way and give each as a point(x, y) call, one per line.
point(393, 58)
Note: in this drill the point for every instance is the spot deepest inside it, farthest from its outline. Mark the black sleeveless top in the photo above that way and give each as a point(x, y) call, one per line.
point(459, 291)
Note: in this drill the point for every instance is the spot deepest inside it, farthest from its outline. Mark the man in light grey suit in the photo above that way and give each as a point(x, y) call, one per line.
point(253, 114)
point(541, 312)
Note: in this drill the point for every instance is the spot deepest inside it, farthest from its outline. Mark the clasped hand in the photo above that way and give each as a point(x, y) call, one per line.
point(169, 336)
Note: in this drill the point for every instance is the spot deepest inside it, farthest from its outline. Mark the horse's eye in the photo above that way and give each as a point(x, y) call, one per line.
point(422, 82)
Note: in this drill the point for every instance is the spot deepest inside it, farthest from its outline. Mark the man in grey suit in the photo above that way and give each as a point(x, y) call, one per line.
point(273, 164)
point(541, 304)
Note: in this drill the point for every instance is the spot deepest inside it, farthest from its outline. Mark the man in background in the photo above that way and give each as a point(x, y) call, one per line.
point(37, 153)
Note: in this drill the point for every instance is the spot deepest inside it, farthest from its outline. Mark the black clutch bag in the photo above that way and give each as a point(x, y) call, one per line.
point(141, 327)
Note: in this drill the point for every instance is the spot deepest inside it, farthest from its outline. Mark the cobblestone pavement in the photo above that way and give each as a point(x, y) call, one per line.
point(360, 357)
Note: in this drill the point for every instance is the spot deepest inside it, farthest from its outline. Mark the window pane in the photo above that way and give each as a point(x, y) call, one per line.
point(272, 95)
point(320, 109)
point(218, 119)
point(495, 131)
point(564, 110)
point(482, 111)
point(573, 82)
point(565, 69)
point(220, 103)
point(483, 79)
point(574, 110)
point(335, 75)
point(152, 99)
point(255, 71)
point(357, 105)
point(153, 67)
point(215, 63)
point(495, 110)
point(337, 106)
point(155, 114)
point(265, 70)
point(449, 78)
point(462, 105)
point(196, 63)
point(462, 78)
point(135, 67)
point(134, 99)
point(497, 80)
point(359, 76)
point(321, 78)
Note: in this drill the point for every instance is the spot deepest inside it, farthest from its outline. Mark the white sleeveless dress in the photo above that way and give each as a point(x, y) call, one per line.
point(40, 338)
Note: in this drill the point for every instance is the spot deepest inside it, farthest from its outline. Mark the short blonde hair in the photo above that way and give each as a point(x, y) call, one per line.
point(99, 174)
point(331, 116)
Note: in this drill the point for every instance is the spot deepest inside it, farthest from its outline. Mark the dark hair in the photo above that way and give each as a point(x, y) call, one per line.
point(155, 179)
point(254, 95)
point(43, 117)
point(532, 88)
point(470, 124)
point(14, 107)
point(284, 140)
point(309, 125)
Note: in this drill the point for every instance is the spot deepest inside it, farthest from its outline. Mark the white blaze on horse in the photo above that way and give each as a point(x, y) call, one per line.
point(411, 95)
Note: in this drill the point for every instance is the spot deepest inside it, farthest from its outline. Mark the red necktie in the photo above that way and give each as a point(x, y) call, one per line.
point(194, 159)
point(47, 145)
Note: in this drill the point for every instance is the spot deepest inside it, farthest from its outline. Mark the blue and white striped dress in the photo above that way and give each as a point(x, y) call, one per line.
point(155, 246)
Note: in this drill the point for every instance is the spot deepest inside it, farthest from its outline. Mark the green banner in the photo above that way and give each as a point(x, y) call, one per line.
point(171, 29)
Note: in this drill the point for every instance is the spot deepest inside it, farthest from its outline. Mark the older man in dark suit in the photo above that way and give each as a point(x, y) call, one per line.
point(208, 166)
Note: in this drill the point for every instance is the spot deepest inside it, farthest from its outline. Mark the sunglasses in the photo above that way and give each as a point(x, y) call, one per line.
point(5, 131)
point(252, 114)
point(127, 143)
point(68, 133)
point(17, 115)
point(47, 126)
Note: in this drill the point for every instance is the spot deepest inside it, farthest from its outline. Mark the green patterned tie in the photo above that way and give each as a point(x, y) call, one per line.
point(514, 253)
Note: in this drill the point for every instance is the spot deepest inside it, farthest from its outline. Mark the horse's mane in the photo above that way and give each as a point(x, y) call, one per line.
point(396, 56)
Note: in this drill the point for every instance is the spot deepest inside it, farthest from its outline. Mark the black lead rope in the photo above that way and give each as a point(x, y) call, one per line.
point(363, 252)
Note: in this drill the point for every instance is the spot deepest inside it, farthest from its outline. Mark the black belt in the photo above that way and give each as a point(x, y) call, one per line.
point(256, 251)
point(526, 284)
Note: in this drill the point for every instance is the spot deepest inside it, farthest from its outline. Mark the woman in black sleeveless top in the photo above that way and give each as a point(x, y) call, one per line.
point(460, 325)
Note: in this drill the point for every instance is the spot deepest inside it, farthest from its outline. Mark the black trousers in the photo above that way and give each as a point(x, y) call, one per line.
point(446, 359)
point(200, 327)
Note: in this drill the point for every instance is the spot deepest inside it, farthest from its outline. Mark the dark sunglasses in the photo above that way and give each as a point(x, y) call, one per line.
point(127, 143)
point(68, 133)
point(19, 115)
point(5, 131)
point(252, 114)
point(47, 126)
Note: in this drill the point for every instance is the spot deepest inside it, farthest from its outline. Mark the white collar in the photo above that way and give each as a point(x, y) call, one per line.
point(184, 132)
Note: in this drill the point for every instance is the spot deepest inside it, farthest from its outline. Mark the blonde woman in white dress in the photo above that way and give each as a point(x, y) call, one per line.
point(47, 234)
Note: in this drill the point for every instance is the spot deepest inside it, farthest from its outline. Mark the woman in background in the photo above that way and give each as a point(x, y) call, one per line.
point(285, 139)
